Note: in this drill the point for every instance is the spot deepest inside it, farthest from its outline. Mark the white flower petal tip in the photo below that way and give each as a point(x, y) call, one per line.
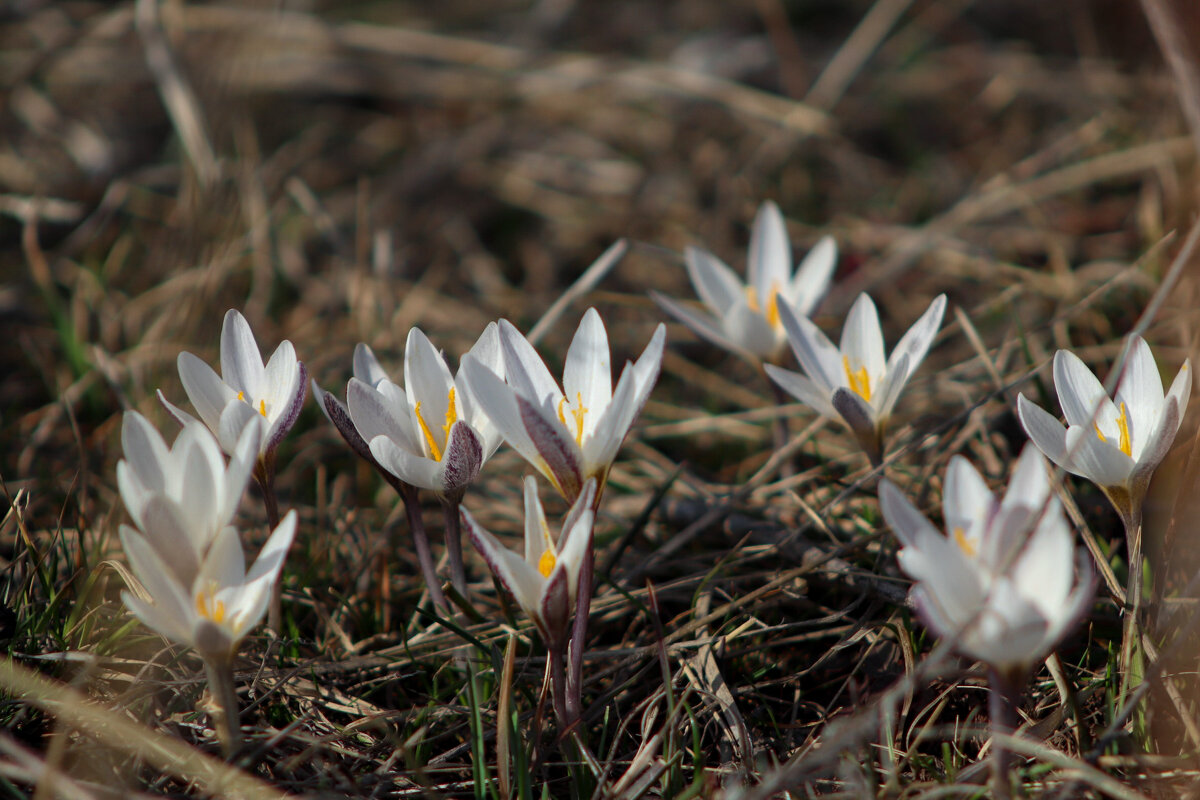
point(744, 318)
point(1117, 442)
point(854, 381)
point(544, 582)
point(1002, 583)
point(573, 435)
point(274, 392)
point(432, 433)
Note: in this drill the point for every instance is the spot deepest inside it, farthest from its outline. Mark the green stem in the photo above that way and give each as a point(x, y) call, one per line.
point(264, 475)
point(1131, 674)
point(458, 575)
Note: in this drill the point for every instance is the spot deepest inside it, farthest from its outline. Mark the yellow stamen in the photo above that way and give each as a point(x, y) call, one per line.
point(772, 313)
point(960, 538)
point(1123, 427)
point(262, 407)
point(752, 300)
point(209, 607)
point(451, 414)
point(241, 396)
point(577, 413)
point(429, 440)
point(860, 381)
point(547, 562)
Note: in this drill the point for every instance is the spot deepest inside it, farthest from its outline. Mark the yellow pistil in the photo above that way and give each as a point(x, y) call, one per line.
point(960, 539)
point(208, 606)
point(547, 563)
point(577, 413)
point(451, 418)
point(860, 381)
point(1123, 427)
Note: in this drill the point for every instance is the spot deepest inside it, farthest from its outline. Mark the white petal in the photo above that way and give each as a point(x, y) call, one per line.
point(177, 539)
point(405, 465)
point(887, 392)
point(271, 557)
point(208, 393)
point(373, 415)
point(281, 377)
point(916, 341)
point(366, 366)
point(576, 538)
point(769, 264)
point(750, 330)
point(1044, 430)
point(862, 339)
point(176, 629)
point(587, 374)
point(427, 380)
point(1030, 482)
point(237, 473)
point(1100, 462)
point(703, 326)
point(225, 563)
point(241, 362)
point(715, 283)
point(802, 389)
point(154, 574)
point(967, 503)
point(203, 476)
point(177, 413)
point(145, 451)
point(498, 401)
point(1081, 394)
point(633, 390)
point(1045, 569)
point(1141, 391)
point(537, 532)
point(1181, 387)
point(133, 494)
point(525, 370)
point(813, 276)
point(909, 524)
point(234, 420)
point(821, 361)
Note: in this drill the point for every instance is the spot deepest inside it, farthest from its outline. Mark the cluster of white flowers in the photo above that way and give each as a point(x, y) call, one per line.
point(1005, 583)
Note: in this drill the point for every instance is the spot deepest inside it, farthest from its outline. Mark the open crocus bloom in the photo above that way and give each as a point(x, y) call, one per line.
point(1002, 580)
point(573, 436)
point(221, 604)
point(545, 581)
point(1116, 445)
point(245, 392)
point(745, 316)
point(181, 498)
point(855, 381)
point(432, 433)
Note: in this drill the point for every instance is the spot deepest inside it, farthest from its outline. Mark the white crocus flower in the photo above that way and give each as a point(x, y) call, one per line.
point(1116, 445)
point(746, 317)
point(181, 498)
point(431, 433)
point(856, 381)
point(573, 436)
point(245, 392)
point(1006, 580)
point(543, 582)
point(213, 611)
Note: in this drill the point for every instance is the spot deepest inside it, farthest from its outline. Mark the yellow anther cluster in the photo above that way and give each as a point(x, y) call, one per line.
point(772, 304)
point(1123, 428)
point(262, 404)
point(451, 418)
point(860, 381)
point(547, 563)
point(964, 544)
point(208, 606)
point(577, 413)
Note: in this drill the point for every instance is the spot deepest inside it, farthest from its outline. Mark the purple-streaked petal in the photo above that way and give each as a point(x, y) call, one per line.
point(372, 414)
point(854, 411)
point(499, 402)
point(462, 460)
point(339, 415)
point(525, 370)
point(521, 580)
point(288, 418)
point(559, 458)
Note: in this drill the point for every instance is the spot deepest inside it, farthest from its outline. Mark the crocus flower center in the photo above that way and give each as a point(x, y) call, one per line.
point(860, 381)
point(262, 404)
point(451, 418)
point(1123, 427)
point(772, 313)
point(577, 410)
point(208, 606)
point(964, 544)
point(547, 563)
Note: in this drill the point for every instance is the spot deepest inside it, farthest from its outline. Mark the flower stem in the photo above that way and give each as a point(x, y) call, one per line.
point(1002, 712)
point(458, 575)
point(578, 640)
point(220, 683)
point(779, 427)
point(416, 523)
point(559, 690)
point(1131, 672)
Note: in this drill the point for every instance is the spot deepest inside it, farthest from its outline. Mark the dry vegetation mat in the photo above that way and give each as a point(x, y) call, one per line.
point(339, 173)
